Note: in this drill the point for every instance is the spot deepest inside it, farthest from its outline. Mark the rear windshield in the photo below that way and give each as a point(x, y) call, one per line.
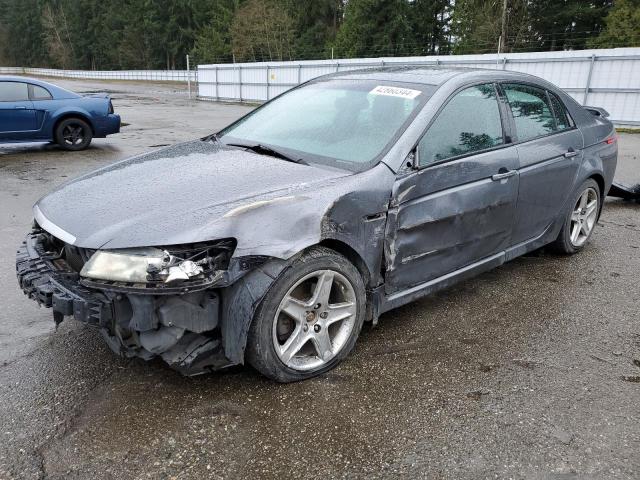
point(347, 123)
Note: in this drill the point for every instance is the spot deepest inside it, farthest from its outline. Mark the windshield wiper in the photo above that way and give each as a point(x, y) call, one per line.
point(267, 150)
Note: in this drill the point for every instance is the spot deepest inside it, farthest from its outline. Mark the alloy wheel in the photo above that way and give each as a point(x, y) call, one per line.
point(314, 320)
point(73, 134)
point(584, 216)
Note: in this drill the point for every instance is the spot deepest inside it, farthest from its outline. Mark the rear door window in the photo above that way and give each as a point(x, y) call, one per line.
point(469, 122)
point(13, 92)
point(39, 93)
point(563, 120)
point(531, 111)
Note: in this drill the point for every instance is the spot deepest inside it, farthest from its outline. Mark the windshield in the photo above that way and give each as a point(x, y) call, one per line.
point(347, 123)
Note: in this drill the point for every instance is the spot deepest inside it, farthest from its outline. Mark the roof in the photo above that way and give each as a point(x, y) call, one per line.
point(58, 92)
point(424, 74)
point(14, 78)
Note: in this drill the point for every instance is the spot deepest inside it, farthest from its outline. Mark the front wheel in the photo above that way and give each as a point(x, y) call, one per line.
point(310, 318)
point(73, 134)
point(580, 220)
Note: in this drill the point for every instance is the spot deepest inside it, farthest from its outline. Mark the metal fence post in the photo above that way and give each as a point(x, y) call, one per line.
point(240, 81)
point(299, 73)
point(588, 85)
point(216, 85)
point(196, 79)
point(267, 82)
point(188, 78)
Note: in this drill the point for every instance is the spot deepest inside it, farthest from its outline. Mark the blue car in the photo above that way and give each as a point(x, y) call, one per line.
point(35, 111)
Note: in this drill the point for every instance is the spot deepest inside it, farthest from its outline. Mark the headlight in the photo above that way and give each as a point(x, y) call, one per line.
point(139, 266)
point(123, 265)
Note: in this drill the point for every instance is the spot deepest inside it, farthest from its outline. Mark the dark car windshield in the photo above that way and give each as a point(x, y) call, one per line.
point(347, 123)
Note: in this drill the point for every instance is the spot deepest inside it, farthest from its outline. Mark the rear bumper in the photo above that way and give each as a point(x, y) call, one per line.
point(108, 125)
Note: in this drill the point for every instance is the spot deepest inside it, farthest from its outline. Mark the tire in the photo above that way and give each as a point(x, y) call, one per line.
point(324, 298)
point(582, 214)
point(73, 134)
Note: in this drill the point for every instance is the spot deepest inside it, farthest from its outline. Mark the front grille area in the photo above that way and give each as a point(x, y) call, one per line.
point(56, 250)
point(76, 257)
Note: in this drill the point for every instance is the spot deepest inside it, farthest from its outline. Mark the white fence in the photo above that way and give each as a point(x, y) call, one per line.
point(608, 78)
point(149, 75)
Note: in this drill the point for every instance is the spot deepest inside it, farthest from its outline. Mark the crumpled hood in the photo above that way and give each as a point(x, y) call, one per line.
point(192, 192)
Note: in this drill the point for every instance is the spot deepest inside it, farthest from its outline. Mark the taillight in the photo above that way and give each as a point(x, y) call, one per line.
point(110, 107)
point(610, 140)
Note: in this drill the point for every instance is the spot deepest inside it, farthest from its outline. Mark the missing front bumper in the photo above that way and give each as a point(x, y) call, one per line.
point(181, 329)
point(57, 288)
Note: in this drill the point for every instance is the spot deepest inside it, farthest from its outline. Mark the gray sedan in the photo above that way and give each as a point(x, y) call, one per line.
point(274, 240)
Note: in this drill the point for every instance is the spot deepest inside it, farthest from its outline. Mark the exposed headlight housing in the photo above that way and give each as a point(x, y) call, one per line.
point(160, 265)
point(139, 266)
point(131, 266)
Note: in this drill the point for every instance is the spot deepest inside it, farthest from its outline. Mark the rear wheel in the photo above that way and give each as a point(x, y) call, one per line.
point(580, 220)
point(73, 134)
point(309, 320)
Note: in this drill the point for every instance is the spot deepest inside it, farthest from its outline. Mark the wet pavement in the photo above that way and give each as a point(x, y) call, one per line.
point(529, 371)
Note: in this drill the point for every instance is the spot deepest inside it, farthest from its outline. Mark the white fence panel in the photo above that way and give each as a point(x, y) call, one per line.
point(608, 78)
point(11, 70)
point(148, 75)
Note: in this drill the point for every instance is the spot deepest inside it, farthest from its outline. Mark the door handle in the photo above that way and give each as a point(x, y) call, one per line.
point(504, 173)
point(571, 153)
point(20, 108)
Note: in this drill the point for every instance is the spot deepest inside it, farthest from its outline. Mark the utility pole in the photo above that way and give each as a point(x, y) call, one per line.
point(503, 31)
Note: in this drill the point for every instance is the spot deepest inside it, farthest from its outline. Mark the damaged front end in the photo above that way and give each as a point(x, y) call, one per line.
point(146, 302)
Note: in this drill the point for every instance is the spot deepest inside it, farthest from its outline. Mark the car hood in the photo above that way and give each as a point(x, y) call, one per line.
point(193, 192)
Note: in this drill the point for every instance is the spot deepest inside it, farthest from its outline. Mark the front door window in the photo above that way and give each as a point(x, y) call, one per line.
point(470, 122)
point(14, 92)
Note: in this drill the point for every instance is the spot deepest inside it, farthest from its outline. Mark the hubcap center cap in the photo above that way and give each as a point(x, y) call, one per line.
point(310, 317)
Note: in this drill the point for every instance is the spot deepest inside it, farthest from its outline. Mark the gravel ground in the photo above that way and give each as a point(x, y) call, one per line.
point(529, 371)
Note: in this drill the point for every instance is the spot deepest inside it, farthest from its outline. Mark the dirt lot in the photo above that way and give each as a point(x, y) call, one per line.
point(529, 371)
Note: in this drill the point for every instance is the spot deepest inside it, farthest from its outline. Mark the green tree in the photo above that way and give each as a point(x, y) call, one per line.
point(213, 40)
point(375, 28)
point(477, 25)
point(150, 34)
point(316, 24)
point(430, 20)
point(4, 35)
point(261, 31)
point(622, 26)
point(23, 29)
point(565, 24)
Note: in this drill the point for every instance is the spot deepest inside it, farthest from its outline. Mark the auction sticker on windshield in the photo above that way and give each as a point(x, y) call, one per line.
point(395, 92)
